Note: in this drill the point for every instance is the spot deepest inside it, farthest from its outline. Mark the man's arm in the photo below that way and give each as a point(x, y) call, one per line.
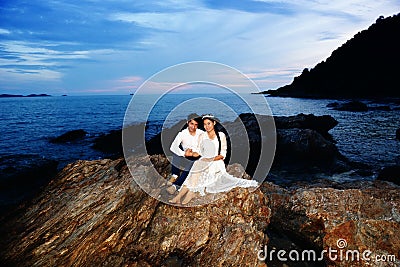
point(175, 145)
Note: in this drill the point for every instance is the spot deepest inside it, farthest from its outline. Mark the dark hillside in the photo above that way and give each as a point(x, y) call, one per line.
point(365, 66)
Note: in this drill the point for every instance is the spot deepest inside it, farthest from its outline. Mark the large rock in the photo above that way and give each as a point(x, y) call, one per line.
point(365, 214)
point(299, 145)
point(94, 214)
point(69, 136)
point(321, 124)
point(355, 106)
point(302, 142)
point(390, 174)
point(22, 176)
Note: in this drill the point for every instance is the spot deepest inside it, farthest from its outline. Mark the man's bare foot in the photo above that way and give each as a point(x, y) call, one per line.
point(173, 178)
point(171, 189)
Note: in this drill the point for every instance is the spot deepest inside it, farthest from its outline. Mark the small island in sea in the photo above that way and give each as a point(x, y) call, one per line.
point(30, 95)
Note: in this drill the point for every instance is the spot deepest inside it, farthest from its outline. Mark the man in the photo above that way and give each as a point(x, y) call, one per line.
point(183, 146)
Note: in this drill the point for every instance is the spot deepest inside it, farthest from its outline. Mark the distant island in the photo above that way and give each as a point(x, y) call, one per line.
point(366, 66)
point(30, 95)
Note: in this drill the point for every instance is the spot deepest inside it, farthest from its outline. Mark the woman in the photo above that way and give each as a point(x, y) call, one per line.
point(208, 174)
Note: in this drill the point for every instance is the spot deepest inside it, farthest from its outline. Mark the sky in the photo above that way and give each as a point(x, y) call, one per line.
point(91, 47)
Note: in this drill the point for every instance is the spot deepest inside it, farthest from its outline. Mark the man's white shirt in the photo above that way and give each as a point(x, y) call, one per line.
point(187, 141)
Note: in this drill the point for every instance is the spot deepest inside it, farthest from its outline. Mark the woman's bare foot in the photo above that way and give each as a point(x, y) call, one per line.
point(189, 196)
point(175, 200)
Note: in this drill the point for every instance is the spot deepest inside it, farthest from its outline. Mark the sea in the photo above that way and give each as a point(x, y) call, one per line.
point(29, 123)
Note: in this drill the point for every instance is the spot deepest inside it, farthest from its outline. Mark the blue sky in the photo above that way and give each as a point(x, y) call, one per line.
point(111, 47)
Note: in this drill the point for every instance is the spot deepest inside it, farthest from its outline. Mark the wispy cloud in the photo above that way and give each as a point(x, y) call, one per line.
point(92, 44)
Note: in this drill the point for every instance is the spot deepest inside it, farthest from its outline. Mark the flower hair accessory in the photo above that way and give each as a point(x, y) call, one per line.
point(208, 116)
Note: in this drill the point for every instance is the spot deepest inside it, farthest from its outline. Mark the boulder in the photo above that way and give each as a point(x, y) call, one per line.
point(109, 143)
point(304, 145)
point(321, 124)
point(69, 136)
point(390, 174)
point(359, 216)
point(22, 176)
point(355, 106)
point(94, 214)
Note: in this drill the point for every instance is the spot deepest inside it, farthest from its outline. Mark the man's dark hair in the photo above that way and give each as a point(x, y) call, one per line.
point(193, 116)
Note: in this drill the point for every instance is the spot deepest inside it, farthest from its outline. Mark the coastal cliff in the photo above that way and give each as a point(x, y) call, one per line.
point(363, 67)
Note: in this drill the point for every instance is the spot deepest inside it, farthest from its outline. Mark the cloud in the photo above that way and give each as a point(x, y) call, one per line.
point(4, 31)
point(92, 44)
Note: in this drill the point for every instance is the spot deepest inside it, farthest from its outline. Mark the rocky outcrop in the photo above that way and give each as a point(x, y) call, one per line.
point(321, 124)
point(94, 214)
point(360, 216)
point(69, 136)
point(302, 140)
point(303, 143)
point(390, 174)
point(22, 176)
point(355, 106)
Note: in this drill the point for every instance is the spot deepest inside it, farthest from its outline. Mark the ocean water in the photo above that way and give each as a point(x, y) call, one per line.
point(29, 123)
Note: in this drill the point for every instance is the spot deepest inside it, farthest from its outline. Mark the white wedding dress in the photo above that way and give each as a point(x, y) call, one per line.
point(208, 176)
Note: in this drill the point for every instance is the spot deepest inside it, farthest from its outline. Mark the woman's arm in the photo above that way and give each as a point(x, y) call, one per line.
point(197, 152)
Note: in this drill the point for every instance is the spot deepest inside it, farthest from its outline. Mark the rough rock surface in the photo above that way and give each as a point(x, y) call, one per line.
point(365, 214)
point(94, 214)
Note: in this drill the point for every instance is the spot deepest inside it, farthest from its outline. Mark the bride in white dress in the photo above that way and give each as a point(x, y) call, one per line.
point(208, 174)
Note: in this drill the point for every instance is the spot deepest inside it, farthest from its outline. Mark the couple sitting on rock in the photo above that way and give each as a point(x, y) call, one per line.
point(201, 153)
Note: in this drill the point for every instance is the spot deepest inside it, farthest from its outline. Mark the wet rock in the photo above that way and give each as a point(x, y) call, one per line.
point(304, 147)
point(356, 216)
point(333, 105)
point(94, 214)
point(22, 176)
point(355, 106)
point(302, 142)
point(390, 174)
point(109, 143)
point(69, 136)
point(321, 124)
point(382, 108)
